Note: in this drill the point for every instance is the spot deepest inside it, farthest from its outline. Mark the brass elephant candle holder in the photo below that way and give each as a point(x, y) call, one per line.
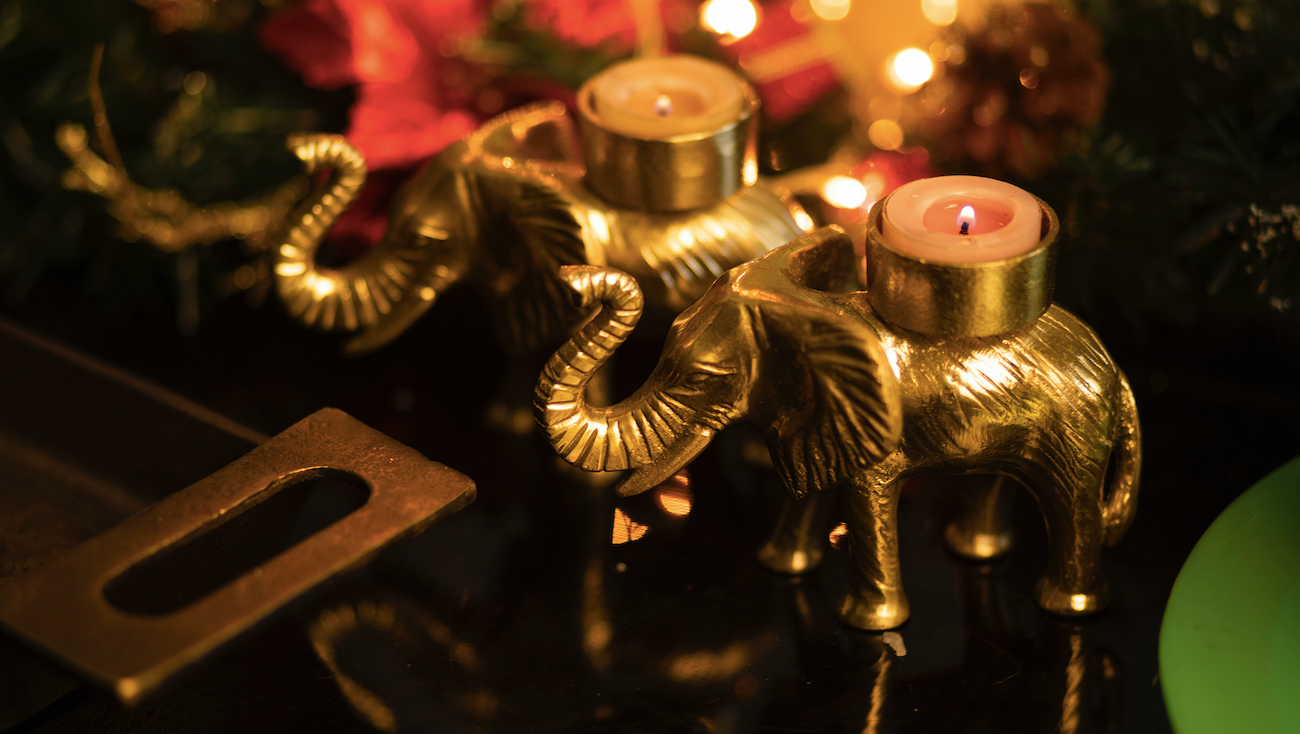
point(506, 207)
point(845, 397)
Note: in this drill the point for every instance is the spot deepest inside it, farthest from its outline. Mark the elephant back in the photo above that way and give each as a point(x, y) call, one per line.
point(1005, 387)
point(676, 256)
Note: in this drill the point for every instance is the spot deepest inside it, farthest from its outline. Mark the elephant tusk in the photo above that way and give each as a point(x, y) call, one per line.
point(669, 463)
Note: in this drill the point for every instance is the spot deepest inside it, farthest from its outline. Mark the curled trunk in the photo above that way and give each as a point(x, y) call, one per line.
point(647, 429)
point(359, 294)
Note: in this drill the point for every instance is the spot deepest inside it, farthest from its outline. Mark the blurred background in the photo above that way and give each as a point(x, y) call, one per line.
point(1165, 134)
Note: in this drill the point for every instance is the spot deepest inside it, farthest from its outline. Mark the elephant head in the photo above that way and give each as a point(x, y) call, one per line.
point(475, 214)
point(758, 346)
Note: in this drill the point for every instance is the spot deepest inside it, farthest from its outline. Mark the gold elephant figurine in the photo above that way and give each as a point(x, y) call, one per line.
point(503, 209)
point(845, 399)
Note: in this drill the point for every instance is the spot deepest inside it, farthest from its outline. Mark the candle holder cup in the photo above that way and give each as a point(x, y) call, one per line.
point(979, 299)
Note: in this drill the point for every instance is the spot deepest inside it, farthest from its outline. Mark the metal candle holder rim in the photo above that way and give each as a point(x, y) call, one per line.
point(960, 299)
point(672, 173)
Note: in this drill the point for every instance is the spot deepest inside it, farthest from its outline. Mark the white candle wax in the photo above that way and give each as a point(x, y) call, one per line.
point(961, 220)
point(657, 98)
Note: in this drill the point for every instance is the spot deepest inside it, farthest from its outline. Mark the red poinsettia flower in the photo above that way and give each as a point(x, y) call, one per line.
point(412, 97)
point(586, 23)
point(785, 90)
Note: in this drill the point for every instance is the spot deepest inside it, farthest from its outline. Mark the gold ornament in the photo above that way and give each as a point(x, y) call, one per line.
point(163, 218)
point(506, 207)
point(845, 399)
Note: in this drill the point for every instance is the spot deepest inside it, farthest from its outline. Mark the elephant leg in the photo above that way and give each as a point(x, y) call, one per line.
point(1074, 584)
point(797, 542)
point(876, 600)
point(983, 530)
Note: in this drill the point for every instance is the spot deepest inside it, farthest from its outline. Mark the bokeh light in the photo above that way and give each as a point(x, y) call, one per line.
point(830, 9)
point(939, 12)
point(844, 192)
point(908, 69)
point(674, 496)
point(885, 135)
point(626, 529)
point(837, 536)
point(735, 18)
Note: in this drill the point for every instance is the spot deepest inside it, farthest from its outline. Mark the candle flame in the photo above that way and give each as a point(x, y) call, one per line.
point(663, 106)
point(966, 219)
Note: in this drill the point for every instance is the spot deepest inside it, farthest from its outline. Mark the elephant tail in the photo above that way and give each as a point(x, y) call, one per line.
point(1121, 505)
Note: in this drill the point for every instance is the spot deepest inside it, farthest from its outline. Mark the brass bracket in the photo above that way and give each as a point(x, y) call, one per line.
point(61, 607)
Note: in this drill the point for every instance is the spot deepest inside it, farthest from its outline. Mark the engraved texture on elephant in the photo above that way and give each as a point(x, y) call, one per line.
point(502, 210)
point(845, 400)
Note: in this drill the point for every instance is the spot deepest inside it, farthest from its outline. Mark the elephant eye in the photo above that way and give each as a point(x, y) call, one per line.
point(700, 379)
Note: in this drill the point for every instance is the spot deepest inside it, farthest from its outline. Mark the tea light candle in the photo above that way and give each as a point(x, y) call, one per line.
point(961, 220)
point(663, 97)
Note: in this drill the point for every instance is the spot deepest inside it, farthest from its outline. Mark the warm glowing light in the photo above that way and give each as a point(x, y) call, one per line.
point(1079, 602)
point(703, 666)
point(675, 501)
point(908, 69)
point(966, 219)
point(939, 12)
point(876, 187)
point(626, 529)
point(844, 192)
point(322, 287)
point(663, 106)
point(804, 221)
point(838, 535)
point(830, 9)
point(885, 134)
point(735, 18)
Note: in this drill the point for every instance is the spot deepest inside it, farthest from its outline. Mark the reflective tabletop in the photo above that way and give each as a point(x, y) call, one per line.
point(549, 605)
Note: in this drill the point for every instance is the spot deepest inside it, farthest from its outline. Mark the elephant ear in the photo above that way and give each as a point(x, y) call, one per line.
point(830, 404)
point(528, 232)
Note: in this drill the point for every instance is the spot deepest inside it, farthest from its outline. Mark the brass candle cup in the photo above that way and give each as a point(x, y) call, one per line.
point(959, 299)
point(672, 173)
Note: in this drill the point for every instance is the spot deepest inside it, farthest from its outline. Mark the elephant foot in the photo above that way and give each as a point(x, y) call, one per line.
point(1066, 602)
point(787, 561)
point(976, 545)
point(874, 614)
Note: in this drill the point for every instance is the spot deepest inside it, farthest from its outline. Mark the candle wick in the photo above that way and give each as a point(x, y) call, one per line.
point(965, 227)
point(664, 105)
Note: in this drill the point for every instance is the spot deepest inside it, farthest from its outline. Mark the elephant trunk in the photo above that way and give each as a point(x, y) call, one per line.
point(647, 428)
point(347, 298)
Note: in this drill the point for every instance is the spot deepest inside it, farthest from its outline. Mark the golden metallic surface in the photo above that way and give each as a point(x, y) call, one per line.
point(846, 400)
point(502, 211)
point(945, 299)
point(406, 630)
point(982, 531)
point(63, 609)
point(163, 218)
point(670, 174)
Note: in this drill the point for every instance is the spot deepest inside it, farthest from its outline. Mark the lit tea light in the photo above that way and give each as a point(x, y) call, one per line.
point(663, 97)
point(961, 220)
point(965, 219)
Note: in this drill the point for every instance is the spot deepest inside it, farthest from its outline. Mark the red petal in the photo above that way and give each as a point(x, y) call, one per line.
point(313, 37)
